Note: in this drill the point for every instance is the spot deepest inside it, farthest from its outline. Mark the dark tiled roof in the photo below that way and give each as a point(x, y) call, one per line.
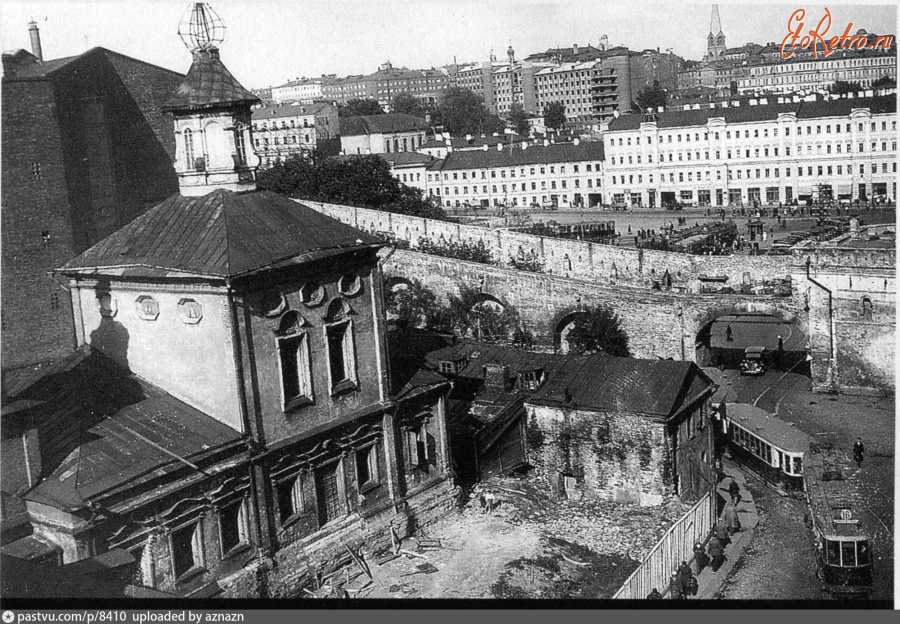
point(760, 112)
point(400, 159)
point(608, 384)
point(294, 110)
point(515, 156)
point(208, 84)
point(223, 234)
point(407, 349)
point(381, 124)
point(478, 141)
point(94, 425)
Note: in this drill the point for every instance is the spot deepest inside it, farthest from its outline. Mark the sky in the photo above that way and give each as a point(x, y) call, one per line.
point(269, 43)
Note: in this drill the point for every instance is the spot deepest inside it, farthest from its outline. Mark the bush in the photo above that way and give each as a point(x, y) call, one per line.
point(473, 252)
point(598, 330)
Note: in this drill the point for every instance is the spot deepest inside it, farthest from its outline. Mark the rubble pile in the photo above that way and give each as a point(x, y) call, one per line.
point(604, 527)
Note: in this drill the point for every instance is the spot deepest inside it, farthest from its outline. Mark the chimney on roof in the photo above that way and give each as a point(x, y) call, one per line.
point(496, 376)
point(35, 40)
point(854, 228)
point(575, 49)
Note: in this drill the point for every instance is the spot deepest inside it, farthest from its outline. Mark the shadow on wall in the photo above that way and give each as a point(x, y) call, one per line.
point(110, 337)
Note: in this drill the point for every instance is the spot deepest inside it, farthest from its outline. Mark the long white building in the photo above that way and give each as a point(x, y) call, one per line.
point(773, 150)
point(520, 174)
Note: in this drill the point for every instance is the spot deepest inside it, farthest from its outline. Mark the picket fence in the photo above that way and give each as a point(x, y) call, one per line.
point(677, 545)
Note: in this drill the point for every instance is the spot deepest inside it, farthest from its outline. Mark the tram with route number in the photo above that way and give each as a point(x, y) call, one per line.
point(843, 550)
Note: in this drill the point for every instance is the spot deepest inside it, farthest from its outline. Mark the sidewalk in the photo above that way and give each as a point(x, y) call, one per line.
point(711, 582)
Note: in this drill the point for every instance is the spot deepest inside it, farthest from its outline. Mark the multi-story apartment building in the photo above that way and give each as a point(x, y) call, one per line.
point(426, 84)
point(520, 174)
point(304, 90)
point(811, 74)
point(378, 134)
point(592, 87)
point(755, 68)
point(772, 150)
point(282, 131)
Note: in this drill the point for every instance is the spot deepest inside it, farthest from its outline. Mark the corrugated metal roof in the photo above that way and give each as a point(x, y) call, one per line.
point(88, 424)
point(208, 84)
point(223, 234)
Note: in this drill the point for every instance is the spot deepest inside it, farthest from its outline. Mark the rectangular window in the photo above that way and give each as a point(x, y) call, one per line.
point(186, 546)
point(341, 360)
point(296, 379)
point(290, 498)
point(330, 493)
point(367, 467)
point(233, 527)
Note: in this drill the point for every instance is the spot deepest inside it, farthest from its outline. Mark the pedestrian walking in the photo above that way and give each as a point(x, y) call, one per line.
point(858, 452)
point(722, 533)
point(732, 522)
point(734, 491)
point(729, 334)
point(687, 579)
point(654, 595)
point(699, 558)
point(716, 553)
point(675, 586)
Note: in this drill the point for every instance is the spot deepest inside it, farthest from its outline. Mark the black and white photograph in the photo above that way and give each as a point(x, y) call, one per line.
point(379, 305)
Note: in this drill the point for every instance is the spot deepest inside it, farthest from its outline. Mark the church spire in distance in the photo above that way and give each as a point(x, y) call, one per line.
point(213, 137)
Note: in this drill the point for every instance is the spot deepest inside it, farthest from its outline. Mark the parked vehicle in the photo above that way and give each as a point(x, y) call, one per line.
point(757, 360)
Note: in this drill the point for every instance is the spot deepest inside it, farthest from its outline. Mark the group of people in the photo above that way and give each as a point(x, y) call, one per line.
point(489, 501)
point(684, 580)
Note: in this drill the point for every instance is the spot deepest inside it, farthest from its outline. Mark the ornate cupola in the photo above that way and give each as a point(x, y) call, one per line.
point(213, 134)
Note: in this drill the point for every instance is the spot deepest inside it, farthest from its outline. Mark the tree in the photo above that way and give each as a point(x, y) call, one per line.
point(518, 119)
point(357, 181)
point(598, 330)
point(652, 97)
point(415, 303)
point(885, 82)
point(462, 112)
point(468, 314)
point(555, 115)
point(409, 104)
point(356, 108)
point(842, 86)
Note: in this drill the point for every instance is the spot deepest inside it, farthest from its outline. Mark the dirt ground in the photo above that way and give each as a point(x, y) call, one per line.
point(529, 547)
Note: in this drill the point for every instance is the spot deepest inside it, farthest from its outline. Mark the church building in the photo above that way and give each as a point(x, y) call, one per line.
point(230, 417)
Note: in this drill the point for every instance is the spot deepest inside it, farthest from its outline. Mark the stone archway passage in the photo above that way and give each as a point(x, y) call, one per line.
point(561, 327)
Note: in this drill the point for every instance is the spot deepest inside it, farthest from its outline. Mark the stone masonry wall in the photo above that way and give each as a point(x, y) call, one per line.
point(606, 264)
point(619, 457)
point(660, 324)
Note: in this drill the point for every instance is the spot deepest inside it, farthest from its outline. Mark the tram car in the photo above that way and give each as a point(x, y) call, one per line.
point(769, 446)
point(843, 550)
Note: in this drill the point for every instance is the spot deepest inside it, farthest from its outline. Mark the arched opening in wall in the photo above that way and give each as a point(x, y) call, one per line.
point(562, 329)
point(394, 290)
point(754, 344)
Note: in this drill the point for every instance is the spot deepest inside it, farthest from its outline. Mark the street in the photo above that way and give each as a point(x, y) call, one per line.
point(778, 545)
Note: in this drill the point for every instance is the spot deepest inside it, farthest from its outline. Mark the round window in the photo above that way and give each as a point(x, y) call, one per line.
point(271, 303)
point(350, 284)
point(312, 294)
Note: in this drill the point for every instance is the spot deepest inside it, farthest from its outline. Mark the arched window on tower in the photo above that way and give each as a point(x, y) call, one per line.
point(189, 148)
point(240, 147)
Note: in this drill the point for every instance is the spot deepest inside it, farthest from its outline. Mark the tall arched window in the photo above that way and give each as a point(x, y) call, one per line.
point(189, 148)
point(239, 145)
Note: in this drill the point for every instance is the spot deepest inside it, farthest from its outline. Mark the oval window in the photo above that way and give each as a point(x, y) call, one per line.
point(271, 303)
point(148, 308)
point(312, 294)
point(190, 311)
point(350, 284)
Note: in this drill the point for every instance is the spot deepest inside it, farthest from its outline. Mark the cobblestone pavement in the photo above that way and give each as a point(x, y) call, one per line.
point(839, 419)
point(778, 564)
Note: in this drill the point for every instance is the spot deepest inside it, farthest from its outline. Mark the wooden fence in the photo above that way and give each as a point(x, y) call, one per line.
point(677, 545)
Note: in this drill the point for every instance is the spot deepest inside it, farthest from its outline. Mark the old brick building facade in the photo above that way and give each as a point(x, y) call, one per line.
point(619, 429)
point(86, 149)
